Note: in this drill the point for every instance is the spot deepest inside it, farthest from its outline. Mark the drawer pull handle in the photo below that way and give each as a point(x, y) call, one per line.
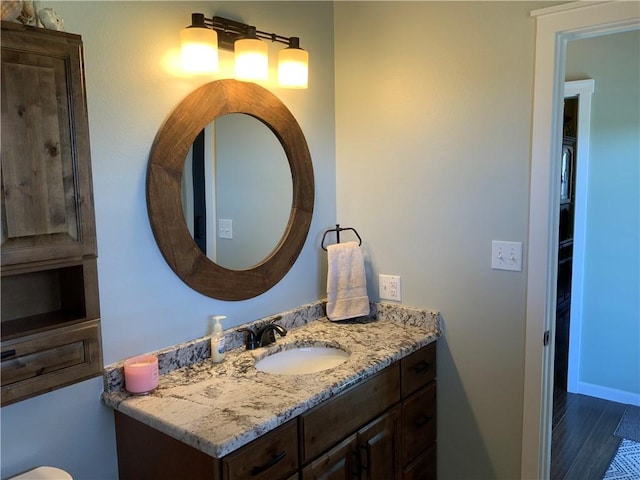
point(423, 420)
point(421, 367)
point(276, 458)
point(7, 354)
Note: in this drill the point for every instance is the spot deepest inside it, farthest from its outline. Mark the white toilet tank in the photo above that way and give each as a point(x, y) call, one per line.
point(43, 473)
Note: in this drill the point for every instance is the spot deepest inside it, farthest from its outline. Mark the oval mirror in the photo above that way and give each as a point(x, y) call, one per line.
point(164, 189)
point(236, 191)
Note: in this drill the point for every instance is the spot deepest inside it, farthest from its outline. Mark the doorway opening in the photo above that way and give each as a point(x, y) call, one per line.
point(555, 26)
point(568, 166)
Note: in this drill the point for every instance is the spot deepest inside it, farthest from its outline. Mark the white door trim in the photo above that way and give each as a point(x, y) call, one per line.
point(555, 26)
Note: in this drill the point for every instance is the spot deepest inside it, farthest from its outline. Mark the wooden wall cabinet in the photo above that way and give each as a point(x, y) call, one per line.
point(381, 429)
point(50, 309)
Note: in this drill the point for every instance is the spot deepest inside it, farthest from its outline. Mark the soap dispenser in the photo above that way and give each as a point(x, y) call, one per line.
point(217, 340)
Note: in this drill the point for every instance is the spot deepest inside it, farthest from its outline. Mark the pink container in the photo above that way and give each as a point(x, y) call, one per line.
point(141, 374)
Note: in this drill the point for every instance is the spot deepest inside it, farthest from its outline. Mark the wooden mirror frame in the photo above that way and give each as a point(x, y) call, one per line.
point(164, 185)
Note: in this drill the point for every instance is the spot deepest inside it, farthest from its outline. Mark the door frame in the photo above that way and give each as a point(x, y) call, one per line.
point(555, 26)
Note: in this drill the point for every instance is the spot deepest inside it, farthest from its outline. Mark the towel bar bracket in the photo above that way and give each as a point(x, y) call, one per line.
point(339, 229)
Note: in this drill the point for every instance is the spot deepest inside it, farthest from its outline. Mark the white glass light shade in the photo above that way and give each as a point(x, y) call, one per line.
point(252, 59)
point(293, 68)
point(199, 50)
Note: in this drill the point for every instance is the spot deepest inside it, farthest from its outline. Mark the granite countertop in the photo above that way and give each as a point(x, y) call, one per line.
point(218, 408)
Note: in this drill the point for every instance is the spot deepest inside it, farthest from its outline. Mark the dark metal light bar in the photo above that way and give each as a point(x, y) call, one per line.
point(229, 31)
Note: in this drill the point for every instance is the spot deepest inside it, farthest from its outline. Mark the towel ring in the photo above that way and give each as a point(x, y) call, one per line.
point(338, 230)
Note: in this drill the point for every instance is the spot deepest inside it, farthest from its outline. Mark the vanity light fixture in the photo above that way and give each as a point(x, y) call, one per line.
point(252, 57)
point(201, 40)
point(199, 47)
point(293, 65)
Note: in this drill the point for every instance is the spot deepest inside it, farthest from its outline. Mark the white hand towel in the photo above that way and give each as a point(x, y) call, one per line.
point(346, 282)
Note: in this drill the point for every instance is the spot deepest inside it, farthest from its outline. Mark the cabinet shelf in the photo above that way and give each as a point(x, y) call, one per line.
point(43, 299)
point(34, 324)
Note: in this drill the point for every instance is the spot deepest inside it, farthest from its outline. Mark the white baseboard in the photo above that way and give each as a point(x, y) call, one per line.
point(607, 393)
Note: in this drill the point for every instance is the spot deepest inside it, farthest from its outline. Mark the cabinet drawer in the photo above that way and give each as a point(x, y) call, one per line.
point(271, 457)
point(418, 369)
point(42, 362)
point(424, 467)
point(418, 422)
point(336, 418)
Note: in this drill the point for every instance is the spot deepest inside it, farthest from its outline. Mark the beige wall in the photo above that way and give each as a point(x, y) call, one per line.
point(433, 120)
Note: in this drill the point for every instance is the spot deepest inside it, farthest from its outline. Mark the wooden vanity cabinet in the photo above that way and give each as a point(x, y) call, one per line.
point(381, 429)
point(50, 335)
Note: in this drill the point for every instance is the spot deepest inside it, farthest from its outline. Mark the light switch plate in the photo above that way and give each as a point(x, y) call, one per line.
point(225, 228)
point(506, 255)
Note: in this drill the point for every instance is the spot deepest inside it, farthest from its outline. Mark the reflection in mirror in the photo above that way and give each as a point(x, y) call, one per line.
point(237, 191)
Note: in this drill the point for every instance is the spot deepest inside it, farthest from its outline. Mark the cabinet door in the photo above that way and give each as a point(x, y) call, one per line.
point(339, 463)
point(379, 448)
point(47, 200)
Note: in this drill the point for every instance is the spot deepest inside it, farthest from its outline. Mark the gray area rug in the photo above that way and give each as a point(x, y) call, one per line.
point(626, 463)
point(629, 426)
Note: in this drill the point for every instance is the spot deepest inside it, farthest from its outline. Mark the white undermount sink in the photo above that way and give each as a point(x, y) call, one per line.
point(298, 360)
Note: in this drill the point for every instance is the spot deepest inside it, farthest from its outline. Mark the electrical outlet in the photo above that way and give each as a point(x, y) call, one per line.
point(390, 288)
point(506, 255)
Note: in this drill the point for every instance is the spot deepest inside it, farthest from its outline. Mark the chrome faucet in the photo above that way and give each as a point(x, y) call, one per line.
point(266, 336)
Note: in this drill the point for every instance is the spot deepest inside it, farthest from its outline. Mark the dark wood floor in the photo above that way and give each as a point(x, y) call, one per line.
point(583, 443)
